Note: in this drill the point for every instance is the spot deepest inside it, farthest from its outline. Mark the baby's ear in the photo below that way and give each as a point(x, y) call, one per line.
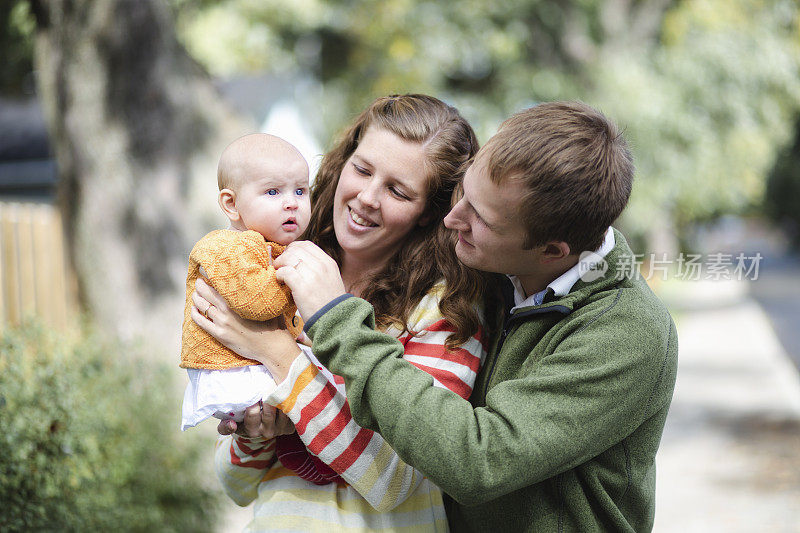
point(227, 201)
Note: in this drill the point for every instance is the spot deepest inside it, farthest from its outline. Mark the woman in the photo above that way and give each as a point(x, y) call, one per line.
point(378, 203)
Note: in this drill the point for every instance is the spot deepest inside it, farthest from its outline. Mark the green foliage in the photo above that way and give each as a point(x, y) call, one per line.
point(708, 109)
point(490, 58)
point(16, 42)
point(83, 442)
point(707, 90)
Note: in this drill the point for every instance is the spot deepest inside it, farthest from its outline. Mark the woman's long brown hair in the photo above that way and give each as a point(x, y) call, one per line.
point(428, 253)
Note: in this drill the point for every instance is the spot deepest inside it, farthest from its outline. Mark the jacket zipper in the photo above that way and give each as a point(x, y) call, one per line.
point(507, 327)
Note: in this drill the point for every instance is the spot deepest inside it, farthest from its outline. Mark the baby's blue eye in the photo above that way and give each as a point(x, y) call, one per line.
point(272, 192)
point(299, 192)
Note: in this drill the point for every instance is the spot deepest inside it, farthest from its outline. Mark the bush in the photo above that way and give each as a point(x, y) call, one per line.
point(84, 442)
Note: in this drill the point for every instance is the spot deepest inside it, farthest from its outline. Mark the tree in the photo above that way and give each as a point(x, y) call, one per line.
point(707, 110)
point(15, 41)
point(707, 90)
point(488, 57)
point(136, 129)
point(782, 197)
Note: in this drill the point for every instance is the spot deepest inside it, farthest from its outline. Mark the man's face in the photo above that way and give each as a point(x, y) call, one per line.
point(490, 230)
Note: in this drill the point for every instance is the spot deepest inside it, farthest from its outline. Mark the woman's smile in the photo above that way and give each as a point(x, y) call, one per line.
point(361, 221)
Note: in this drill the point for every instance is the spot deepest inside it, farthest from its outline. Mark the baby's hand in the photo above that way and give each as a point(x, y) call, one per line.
point(259, 421)
point(226, 427)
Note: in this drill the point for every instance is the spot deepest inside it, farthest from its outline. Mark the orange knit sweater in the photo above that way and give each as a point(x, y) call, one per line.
point(237, 265)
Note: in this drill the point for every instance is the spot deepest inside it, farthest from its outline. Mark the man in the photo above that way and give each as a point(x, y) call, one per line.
point(567, 412)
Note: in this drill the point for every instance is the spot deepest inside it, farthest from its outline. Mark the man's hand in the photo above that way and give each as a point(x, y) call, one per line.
point(311, 274)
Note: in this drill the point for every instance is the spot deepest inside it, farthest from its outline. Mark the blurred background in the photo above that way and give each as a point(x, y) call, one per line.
point(112, 117)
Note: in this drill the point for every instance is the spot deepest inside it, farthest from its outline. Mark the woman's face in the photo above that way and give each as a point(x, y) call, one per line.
point(380, 198)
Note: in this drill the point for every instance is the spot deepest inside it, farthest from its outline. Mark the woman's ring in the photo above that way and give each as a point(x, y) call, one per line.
point(205, 313)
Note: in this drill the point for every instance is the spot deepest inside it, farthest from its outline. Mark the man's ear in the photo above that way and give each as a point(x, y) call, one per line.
point(227, 201)
point(555, 251)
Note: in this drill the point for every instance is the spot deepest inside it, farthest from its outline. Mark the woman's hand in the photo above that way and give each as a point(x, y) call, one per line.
point(265, 342)
point(259, 421)
point(311, 274)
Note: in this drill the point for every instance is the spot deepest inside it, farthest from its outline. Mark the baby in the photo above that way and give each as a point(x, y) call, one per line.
point(263, 182)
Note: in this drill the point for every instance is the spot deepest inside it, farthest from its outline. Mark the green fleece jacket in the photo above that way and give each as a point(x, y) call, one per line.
point(563, 425)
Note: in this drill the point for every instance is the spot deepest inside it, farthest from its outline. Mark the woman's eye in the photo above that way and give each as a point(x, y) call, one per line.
point(272, 192)
point(395, 191)
point(361, 170)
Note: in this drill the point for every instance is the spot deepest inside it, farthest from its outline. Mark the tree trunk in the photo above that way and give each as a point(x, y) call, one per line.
point(136, 128)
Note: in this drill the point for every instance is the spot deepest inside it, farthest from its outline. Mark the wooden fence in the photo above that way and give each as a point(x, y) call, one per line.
point(35, 278)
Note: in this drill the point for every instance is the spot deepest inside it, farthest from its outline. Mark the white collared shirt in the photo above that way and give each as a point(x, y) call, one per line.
point(562, 284)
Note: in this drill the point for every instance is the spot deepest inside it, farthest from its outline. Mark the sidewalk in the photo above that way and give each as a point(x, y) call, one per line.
point(730, 457)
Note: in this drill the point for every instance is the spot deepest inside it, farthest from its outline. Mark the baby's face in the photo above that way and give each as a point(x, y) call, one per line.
point(275, 203)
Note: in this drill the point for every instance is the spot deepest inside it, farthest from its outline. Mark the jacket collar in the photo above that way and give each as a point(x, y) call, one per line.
point(564, 283)
point(618, 266)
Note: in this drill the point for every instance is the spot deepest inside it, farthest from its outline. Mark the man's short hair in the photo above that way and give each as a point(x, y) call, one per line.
point(576, 166)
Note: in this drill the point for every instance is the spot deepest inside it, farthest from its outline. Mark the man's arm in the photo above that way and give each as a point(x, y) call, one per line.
point(322, 417)
point(570, 406)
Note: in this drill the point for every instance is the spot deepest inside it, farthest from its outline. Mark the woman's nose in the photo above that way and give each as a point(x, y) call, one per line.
point(370, 194)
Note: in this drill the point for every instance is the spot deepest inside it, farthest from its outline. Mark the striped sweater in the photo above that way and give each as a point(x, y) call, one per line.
point(381, 491)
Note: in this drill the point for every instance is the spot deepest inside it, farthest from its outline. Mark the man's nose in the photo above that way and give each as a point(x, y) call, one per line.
point(454, 220)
